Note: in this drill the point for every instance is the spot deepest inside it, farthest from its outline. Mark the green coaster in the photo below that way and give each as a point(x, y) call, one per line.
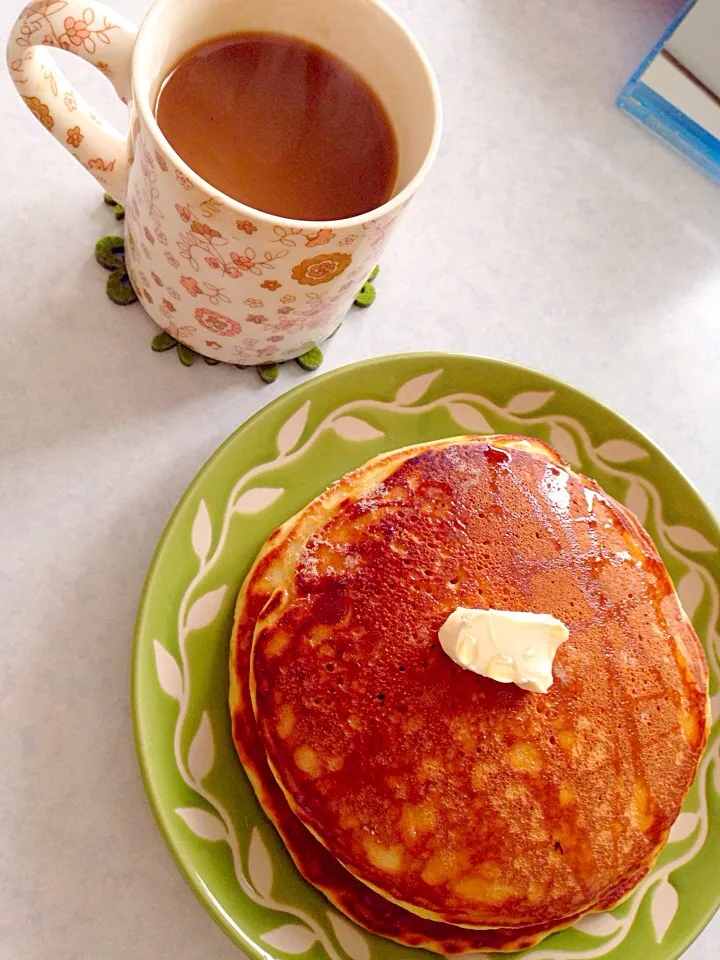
point(311, 360)
point(119, 208)
point(268, 372)
point(110, 254)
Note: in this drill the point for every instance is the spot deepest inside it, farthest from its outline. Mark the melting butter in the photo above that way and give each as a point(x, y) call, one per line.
point(504, 645)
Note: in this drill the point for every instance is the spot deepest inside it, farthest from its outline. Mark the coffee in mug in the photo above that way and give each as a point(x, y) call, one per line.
point(281, 125)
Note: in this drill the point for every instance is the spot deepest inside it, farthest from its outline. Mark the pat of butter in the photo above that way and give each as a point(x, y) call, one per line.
point(504, 645)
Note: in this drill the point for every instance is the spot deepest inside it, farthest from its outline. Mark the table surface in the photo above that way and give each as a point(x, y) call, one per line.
point(555, 233)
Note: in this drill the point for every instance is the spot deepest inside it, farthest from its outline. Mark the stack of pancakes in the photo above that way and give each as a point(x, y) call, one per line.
point(432, 805)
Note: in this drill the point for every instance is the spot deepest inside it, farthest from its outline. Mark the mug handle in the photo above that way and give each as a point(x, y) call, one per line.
point(104, 39)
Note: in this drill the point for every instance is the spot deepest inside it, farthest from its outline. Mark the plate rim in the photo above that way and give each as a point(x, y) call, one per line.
point(185, 865)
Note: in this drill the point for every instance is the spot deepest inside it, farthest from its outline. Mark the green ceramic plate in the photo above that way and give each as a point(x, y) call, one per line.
point(273, 465)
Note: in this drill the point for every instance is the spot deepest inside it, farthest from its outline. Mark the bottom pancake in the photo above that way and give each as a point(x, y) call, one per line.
point(357, 900)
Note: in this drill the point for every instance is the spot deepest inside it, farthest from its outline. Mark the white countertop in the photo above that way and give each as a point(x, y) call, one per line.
point(554, 233)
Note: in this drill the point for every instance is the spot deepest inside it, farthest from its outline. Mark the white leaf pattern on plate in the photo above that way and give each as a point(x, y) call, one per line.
point(202, 532)
point(688, 539)
point(683, 827)
point(352, 428)
point(292, 429)
point(690, 590)
point(620, 451)
point(349, 937)
point(201, 754)
point(290, 938)
point(415, 389)
point(205, 609)
point(469, 418)
point(168, 672)
point(203, 824)
point(260, 865)
point(597, 924)
point(255, 500)
point(529, 400)
point(716, 776)
point(637, 500)
point(663, 908)
point(564, 443)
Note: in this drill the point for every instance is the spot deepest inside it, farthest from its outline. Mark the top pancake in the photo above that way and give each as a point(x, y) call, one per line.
point(460, 798)
point(350, 895)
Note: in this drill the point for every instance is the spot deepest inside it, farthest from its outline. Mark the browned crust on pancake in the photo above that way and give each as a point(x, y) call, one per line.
point(575, 860)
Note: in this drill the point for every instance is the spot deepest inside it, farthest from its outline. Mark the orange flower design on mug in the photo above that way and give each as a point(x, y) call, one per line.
point(320, 238)
point(191, 285)
point(74, 137)
point(75, 31)
point(321, 269)
point(41, 111)
point(97, 163)
point(40, 6)
point(204, 229)
point(217, 322)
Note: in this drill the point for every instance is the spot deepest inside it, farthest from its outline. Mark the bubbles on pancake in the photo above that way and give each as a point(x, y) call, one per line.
point(307, 567)
point(371, 500)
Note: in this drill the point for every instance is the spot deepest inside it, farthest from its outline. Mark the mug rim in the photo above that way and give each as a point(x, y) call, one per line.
point(142, 104)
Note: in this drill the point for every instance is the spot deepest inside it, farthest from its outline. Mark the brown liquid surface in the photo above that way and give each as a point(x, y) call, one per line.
point(280, 125)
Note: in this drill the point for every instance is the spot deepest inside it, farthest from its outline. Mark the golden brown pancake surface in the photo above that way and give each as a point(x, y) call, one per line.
point(465, 800)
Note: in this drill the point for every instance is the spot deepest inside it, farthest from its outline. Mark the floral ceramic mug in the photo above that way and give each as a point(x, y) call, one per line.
point(229, 281)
